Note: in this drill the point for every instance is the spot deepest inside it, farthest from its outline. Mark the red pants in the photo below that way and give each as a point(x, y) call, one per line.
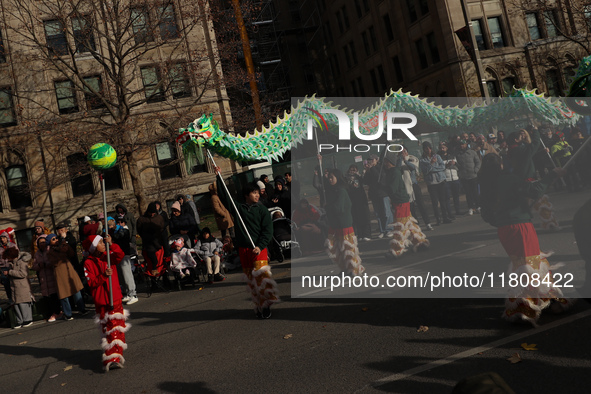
point(113, 329)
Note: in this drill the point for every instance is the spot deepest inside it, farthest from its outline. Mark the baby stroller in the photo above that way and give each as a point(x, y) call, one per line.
point(180, 280)
point(283, 241)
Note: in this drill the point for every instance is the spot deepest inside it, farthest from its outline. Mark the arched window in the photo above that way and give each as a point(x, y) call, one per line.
point(80, 176)
point(17, 184)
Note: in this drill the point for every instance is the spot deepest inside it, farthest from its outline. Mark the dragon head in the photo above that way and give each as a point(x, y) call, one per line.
point(205, 126)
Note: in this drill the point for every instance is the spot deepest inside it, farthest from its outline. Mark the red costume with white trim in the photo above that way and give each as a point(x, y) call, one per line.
point(112, 321)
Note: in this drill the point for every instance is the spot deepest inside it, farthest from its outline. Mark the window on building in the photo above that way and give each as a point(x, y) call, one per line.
point(551, 24)
point(83, 37)
point(55, 35)
point(347, 56)
point(80, 176)
point(479, 36)
point(340, 22)
point(7, 117)
point(569, 73)
point(424, 7)
point(327, 33)
point(24, 239)
point(532, 25)
point(388, 27)
point(353, 52)
point(18, 187)
point(66, 97)
point(2, 50)
point(508, 84)
point(166, 154)
point(493, 90)
point(382, 79)
point(93, 92)
point(412, 10)
point(366, 5)
point(374, 81)
point(432, 42)
point(361, 87)
point(193, 166)
point(345, 17)
point(553, 83)
point(496, 33)
point(365, 43)
point(167, 23)
point(421, 53)
point(113, 178)
point(397, 69)
point(373, 39)
point(179, 81)
point(354, 88)
point(152, 85)
point(140, 22)
point(358, 8)
point(336, 70)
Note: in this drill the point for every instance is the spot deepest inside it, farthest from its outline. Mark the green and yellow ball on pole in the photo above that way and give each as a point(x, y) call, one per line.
point(102, 156)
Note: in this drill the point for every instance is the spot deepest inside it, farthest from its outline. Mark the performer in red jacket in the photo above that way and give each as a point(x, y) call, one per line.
point(112, 321)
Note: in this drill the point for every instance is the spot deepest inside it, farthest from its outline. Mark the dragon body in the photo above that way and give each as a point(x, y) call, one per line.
point(291, 128)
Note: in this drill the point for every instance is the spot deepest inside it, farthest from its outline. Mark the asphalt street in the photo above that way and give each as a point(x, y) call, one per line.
point(207, 339)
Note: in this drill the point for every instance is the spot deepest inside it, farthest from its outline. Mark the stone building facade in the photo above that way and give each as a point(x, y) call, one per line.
point(46, 117)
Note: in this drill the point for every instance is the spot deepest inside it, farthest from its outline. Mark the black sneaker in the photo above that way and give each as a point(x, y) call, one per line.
point(258, 314)
point(219, 278)
point(68, 318)
point(27, 323)
point(83, 313)
point(210, 279)
point(266, 313)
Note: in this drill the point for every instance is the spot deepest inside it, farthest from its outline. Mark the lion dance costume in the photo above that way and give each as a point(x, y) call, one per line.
point(407, 233)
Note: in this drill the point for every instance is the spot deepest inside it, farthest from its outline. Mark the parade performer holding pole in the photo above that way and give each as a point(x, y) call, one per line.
point(341, 244)
point(102, 279)
point(504, 205)
point(253, 234)
point(406, 232)
point(523, 145)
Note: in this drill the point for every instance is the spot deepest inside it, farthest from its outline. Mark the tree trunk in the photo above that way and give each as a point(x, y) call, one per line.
point(136, 182)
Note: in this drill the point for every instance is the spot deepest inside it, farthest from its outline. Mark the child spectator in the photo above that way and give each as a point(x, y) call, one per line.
point(17, 271)
point(111, 320)
point(209, 249)
point(122, 237)
point(181, 258)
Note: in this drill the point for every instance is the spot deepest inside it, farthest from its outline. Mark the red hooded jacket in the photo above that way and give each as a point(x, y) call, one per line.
point(94, 269)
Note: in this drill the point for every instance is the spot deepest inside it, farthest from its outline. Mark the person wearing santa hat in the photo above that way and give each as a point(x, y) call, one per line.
point(111, 320)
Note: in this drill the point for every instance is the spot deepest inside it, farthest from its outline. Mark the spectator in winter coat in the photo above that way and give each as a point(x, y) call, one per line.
point(164, 215)
point(46, 275)
point(18, 271)
point(39, 230)
point(433, 170)
point(360, 211)
point(222, 216)
point(64, 234)
point(4, 245)
point(282, 197)
point(468, 166)
point(121, 236)
point(122, 212)
point(452, 181)
point(377, 195)
point(188, 207)
point(209, 249)
point(181, 260)
point(150, 227)
point(182, 223)
point(90, 227)
point(68, 281)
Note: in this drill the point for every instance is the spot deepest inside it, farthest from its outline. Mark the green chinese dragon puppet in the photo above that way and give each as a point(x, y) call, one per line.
point(273, 141)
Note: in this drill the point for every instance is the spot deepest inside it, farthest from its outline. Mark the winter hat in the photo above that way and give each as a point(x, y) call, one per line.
point(280, 180)
point(4, 234)
point(61, 225)
point(179, 242)
point(44, 236)
point(176, 205)
point(101, 215)
point(205, 230)
point(86, 219)
point(91, 242)
point(39, 223)
point(491, 136)
point(261, 185)
point(50, 237)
